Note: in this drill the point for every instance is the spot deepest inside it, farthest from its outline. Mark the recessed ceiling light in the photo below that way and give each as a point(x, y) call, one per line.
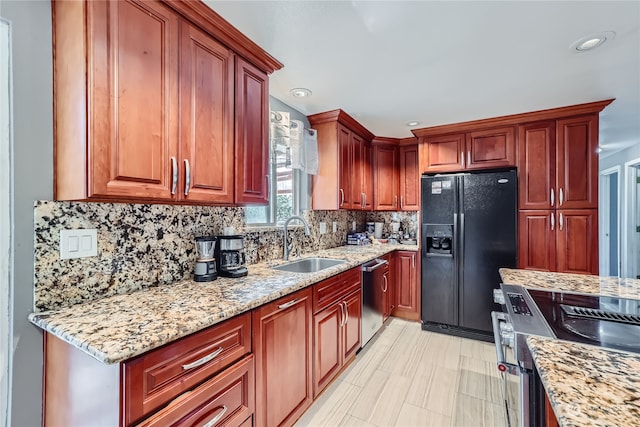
point(592, 41)
point(413, 123)
point(300, 92)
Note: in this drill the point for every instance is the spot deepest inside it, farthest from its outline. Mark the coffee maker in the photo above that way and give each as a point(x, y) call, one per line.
point(230, 255)
point(205, 270)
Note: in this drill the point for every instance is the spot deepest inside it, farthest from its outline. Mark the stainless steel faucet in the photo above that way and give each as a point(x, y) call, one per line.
point(287, 247)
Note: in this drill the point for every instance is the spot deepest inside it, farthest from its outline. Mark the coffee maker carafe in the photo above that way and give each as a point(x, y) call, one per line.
point(205, 270)
point(230, 255)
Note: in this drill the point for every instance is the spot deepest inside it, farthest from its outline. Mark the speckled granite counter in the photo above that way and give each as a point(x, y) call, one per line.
point(580, 283)
point(587, 385)
point(119, 327)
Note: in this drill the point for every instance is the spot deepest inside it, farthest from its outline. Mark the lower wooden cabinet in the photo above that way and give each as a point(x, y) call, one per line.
point(406, 285)
point(563, 240)
point(227, 399)
point(388, 288)
point(282, 334)
point(336, 326)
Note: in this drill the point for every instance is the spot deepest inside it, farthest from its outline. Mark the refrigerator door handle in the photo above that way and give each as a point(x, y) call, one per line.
point(462, 242)
point(454, 239)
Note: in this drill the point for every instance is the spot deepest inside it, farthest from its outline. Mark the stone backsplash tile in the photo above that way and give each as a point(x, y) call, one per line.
point(146, 245)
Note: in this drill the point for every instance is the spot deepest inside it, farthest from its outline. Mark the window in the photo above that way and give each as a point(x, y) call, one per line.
point(288, 194)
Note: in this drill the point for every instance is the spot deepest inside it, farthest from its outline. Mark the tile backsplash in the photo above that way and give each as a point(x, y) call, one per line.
point(146, 245)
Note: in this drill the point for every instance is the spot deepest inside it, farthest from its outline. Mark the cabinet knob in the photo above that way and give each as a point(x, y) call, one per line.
point(560, 196)
point(341, 197)
point(553, 199)
point(174, 172)
point(561, 221)
point(553, 221)
point(187, 177)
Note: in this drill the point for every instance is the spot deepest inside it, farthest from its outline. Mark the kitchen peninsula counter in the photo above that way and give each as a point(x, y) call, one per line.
point(117, 328)
point(588, 385)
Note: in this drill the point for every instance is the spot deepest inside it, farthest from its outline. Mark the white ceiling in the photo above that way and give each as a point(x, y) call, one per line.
point(389, 62)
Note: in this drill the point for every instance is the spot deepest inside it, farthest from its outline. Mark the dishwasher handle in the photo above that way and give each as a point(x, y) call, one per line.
point(374, 265)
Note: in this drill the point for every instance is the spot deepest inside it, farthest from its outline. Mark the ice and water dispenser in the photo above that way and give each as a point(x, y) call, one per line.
point(439, 239)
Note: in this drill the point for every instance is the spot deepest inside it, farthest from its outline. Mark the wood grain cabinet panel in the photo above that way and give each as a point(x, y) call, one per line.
point(577, 231)
point(346, 169)
point(537, 240)
point(153, 379)
point(409, 178)
point(327, 353)
point(491, 148)
point(252, 134)
point(537, 165)
point(225, 400)
point(385, 178)
point(282, 344)
point(577, 162)
point(206, 108)
point(406, 286)
point(351, 333)
point(444, 153)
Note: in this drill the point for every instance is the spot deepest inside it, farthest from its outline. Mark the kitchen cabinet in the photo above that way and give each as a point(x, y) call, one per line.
point(216, 362)
point(407, 288)
point(385, 177)
point(252, 134)
point(409, 178)
point(144, 104)
point(558, 240)
point(476, 149)
point(282, 345)
point(337, 317)
point(558, 164)
point(387, 288)
point(227, 399)
point(344, 175)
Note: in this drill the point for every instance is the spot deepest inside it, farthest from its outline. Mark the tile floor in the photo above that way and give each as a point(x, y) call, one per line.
point(409, 377)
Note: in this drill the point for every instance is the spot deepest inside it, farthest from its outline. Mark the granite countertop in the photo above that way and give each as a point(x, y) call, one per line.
point(587, 385)
point(579, 283)
point(119, 327)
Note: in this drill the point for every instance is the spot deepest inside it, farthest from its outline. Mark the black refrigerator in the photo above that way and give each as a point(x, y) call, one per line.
point(468, 233)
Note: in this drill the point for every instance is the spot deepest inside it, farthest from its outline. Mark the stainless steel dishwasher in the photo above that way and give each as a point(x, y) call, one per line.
point(372, 297)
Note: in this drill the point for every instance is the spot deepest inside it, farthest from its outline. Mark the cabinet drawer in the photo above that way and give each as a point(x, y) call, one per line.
point(155, 378)
point(332, 289)
point(228, 398)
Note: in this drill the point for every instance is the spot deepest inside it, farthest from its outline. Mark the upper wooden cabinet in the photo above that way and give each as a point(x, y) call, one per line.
point(396, 176)
point(344, 176)
point(482, 149)
point(144, 104)
point(558, 164)
point(386, 177)
point(409, 172)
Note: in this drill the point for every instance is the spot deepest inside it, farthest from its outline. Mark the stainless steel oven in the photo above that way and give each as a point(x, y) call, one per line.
point(609, 322)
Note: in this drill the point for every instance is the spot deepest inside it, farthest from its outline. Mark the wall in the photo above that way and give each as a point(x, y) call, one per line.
point(33, 180)
point(627, 234)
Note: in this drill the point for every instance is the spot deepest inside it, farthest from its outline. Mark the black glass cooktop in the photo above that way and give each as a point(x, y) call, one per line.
point(604, 321)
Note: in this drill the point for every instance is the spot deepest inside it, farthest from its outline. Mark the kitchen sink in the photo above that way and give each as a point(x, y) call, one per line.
point(309, 265)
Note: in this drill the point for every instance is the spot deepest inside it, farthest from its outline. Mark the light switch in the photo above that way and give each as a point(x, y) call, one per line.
point(323, 228)
point(335, 227)
point(78, 243)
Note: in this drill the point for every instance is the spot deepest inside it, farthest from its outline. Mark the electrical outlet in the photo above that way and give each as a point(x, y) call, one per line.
point(78, 243)
point(323, 228)
point(335, 227)
point(353, 226)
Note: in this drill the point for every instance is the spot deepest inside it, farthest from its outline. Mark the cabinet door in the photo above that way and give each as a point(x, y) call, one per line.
point(491, 148)
point(577, 241)
point(345, 198)
point(577, 162)
point(409, 178)
point(356, 169)
point(252, 134)
point(282, 332)
point(327, 351)
point(133, 99)
point(537, 240)
point(406, 285)
point(367, 175)
point(537, 165)
point(351, 332)
point(444, 153)
point(386, 291)
point(385, 177)
point(206, 107)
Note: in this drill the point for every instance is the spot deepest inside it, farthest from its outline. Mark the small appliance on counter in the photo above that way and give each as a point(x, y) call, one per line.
point(231, 257)
point(205, 270)
point(358, 239)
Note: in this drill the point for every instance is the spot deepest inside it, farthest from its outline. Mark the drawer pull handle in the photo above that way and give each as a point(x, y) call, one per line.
point(202, 361)
point(288, 304)
point(217, 417)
